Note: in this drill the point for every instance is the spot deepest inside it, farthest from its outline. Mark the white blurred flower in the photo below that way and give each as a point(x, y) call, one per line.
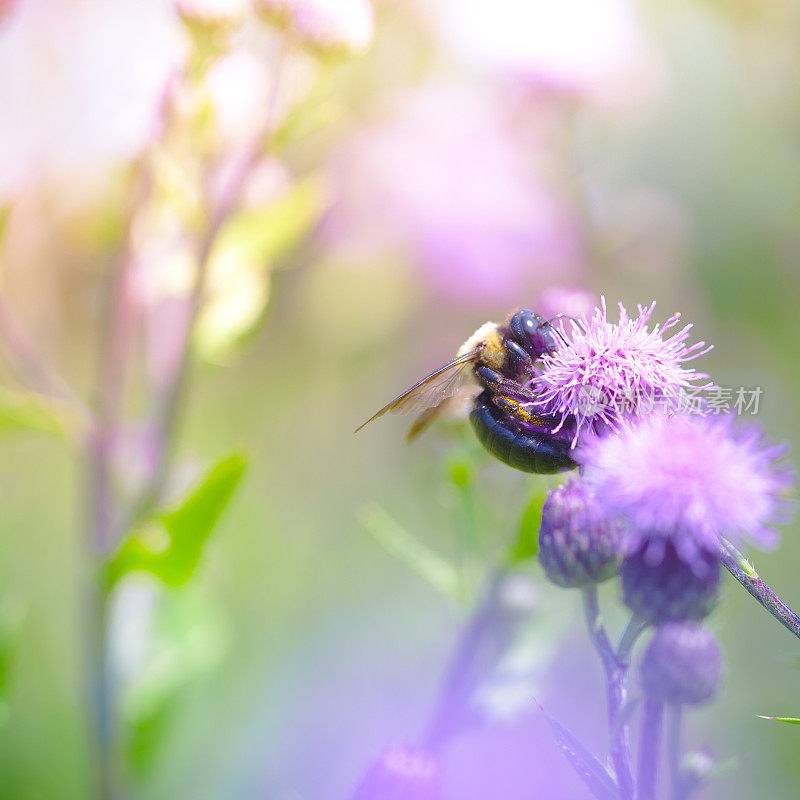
point(79, 96)
point(590, 46)
point(238, 86)
point(325, 24)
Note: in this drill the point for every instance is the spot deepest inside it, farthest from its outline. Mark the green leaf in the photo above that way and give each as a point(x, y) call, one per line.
point(436, 570)
point(248, 245)
point(264, 234)
point(584, 762)
point(27, 410)
point(526, 544)
point(170, 544)
point(12, 618)
point(787, 720)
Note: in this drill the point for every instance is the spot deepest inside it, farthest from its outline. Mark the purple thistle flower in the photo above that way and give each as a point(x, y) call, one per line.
point(401, 773)
point(687, 480)
point(608, 371)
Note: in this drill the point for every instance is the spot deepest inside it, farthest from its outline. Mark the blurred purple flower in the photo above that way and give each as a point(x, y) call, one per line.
point(686, 481)
point(401, 773)
point(338, 25)
point(682, 664)
point(670, 590)
point(608, 371)
point(447, 178)
point(594, 47)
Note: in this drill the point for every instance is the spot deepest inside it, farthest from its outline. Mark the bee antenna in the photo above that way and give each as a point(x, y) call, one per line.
point(564, 316)
point(557, 331)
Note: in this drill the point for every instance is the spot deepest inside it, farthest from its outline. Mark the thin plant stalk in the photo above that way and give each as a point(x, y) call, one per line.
point(745, 573)
point(650, 748)
point(616, 692)
point(108, 522)
point(674, 720)
point(170, 404)
point(450, 707)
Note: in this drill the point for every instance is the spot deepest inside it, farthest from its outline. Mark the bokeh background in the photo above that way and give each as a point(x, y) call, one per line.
point(473, 158)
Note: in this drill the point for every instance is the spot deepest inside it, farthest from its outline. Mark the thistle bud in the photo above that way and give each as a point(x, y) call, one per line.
point(669, 590)
point(328, 26)
point(578, 546)
point(401, 773)
point(682, 664)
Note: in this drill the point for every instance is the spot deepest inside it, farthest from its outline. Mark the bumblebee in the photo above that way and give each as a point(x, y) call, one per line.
point(494, 367)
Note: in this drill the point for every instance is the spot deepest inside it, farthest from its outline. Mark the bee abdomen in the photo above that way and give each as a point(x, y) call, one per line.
point(529, 451)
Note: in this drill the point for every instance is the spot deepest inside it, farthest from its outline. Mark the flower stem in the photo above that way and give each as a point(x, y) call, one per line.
point(218, 211)
point(630, 636)
point(649, 747)
point(743, 571)
point(448, 714)
point(616, 691)
point(674, 751)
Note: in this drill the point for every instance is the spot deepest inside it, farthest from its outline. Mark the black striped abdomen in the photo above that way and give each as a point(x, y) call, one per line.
point(529, 451)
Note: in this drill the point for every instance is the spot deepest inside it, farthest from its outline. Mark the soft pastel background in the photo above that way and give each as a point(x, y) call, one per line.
point(477, 155)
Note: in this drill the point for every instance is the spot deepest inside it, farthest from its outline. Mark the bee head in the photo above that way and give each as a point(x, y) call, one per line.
point(533, 332)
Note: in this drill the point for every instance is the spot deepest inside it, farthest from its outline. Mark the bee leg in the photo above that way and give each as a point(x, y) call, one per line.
point(489, 378)
point(512, 408)
point(521, 358)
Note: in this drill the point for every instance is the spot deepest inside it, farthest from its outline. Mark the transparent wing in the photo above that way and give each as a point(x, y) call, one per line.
point(448, 406)
point(431, 390)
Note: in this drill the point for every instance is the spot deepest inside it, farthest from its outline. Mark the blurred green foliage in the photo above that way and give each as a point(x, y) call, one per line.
point(172, 551)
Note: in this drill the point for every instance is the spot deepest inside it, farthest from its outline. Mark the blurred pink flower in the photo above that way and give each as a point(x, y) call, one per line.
point(446, 180)
point(560, 300)
point(325, 24)
point(588, 46)
point(6, 7)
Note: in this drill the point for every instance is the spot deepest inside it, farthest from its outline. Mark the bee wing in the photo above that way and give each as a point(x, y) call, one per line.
point(432, 390)
point(449, 404)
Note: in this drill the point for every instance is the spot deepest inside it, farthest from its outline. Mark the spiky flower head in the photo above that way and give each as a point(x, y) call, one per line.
point(345, 26)
point(670, 590)
point(682, 664)
point(608, 372)
point(401, 773)
point(578, 546)
point(687, 480)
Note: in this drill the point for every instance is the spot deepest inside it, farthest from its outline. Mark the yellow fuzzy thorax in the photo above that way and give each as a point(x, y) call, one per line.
point(493, 353)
